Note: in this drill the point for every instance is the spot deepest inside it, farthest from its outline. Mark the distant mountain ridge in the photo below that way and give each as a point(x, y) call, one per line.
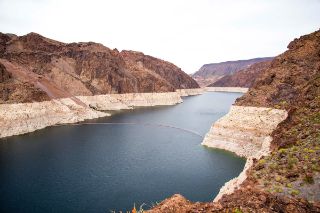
point(210, 73)
point(244, 77)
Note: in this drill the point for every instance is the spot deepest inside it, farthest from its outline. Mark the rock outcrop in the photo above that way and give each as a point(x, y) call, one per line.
point(242, 78)
point(210, 73)
point(35, 68)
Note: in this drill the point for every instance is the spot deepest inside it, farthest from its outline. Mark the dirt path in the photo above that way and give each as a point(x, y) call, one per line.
point(44, 84)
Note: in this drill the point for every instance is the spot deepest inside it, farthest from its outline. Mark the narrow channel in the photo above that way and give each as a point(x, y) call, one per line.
point(139, 156)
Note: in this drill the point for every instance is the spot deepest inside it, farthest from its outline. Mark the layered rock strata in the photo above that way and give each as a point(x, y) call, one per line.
point(245, 131)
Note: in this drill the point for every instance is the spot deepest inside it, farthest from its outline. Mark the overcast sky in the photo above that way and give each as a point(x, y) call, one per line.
point(188, 33)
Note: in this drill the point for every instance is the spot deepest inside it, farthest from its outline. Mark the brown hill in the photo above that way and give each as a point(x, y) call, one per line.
point(210, 73)
point(242, 78)
point(288, 179)
point(40, 68)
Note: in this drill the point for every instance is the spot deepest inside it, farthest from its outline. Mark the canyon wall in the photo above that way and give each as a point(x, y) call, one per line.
point(35, 68)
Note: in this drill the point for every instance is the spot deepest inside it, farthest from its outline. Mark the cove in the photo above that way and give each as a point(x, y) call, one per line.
point(149, 155)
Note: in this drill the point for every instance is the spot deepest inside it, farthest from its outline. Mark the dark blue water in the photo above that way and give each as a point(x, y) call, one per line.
point(97, 168)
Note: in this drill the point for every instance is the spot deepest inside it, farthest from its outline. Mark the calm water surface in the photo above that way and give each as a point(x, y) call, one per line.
point(98, 168)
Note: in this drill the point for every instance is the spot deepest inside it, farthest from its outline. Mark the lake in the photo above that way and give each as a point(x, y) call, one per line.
point(135, 156)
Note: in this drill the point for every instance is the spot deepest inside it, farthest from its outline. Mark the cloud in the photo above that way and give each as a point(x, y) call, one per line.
point(186, 32)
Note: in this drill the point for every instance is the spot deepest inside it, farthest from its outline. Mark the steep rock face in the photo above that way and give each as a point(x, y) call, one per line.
point(242, 78)
point(210, 73)
point(52, 69)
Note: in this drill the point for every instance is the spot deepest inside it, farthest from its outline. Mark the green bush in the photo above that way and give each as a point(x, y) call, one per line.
point(295, 192)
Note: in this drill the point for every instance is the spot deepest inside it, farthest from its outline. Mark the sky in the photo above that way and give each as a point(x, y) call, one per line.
point(188, 33)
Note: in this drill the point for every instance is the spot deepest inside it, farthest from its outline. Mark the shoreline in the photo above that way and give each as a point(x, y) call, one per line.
point(21, 118)
point(227, 89)
point(246, 132)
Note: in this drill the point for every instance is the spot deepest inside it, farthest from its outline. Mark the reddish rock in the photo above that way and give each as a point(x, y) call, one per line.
point(86, 68)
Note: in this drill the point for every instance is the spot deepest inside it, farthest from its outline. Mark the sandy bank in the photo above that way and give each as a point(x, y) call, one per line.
point(22, 118)
point(226, 89)
point(246, 132)
point(130, 100)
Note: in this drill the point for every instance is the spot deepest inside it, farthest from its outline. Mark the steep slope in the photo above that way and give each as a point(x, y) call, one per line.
point(292, 83)
point(288, 179)
point(171, 75)
point(242, 78)
point(42, 69)
point(210, 73)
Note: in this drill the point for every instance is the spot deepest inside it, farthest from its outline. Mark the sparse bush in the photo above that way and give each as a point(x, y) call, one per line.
point(295, 192)
point(309, 179)
point(236, 210)
point(289, 185)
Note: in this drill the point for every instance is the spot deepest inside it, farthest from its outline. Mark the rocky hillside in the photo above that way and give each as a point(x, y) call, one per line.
point(288, 180)
point(210, 73)
point(145, 67)
point(35, 68)
point(242, 78)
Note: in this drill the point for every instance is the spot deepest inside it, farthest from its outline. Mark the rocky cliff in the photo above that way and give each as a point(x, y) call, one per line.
point(35, 68)
point(286, 180)
point(243, 78)
point(210, 73)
